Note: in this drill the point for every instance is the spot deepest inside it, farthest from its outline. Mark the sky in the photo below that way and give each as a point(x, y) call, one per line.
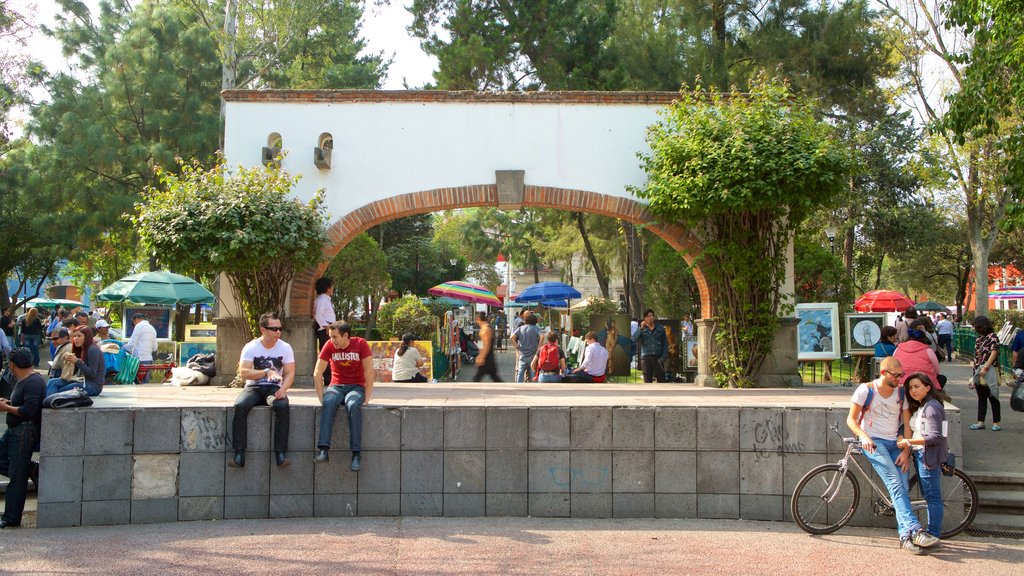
point(384, 28)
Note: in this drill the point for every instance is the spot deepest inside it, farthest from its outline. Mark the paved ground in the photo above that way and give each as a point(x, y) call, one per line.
point(478, 546)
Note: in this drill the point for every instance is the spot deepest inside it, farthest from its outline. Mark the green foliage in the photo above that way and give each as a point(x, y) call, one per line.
point(818, 274)
point(415, 261)
point(742, 171)
point(359, 271)
point(581, 317)
point(671, 288)
point(244, 224)
point(406, 314)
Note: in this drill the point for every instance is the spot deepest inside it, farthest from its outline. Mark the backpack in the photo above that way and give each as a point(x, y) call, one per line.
point(871, 396)
point(547, 358)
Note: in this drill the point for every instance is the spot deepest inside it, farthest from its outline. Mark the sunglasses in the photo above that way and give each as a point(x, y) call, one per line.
point(895, 374)
point(273, 328)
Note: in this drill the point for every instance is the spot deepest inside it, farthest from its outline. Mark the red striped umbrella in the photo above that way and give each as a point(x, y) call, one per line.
point(467, 292)
point(882, 301)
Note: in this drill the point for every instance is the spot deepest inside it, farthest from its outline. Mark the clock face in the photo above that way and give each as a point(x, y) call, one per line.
point(866, 333)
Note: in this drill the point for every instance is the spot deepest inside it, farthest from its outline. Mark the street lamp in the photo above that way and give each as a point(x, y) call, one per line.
point(830, 232)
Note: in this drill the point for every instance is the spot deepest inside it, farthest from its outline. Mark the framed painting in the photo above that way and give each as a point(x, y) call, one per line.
point(187, 350)
point(818, 331)
point(159, 318)
point(863, 331)
point(613, 333)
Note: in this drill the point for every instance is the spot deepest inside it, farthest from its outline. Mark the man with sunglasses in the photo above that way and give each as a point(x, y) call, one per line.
point(878, 416)
point(268, 367)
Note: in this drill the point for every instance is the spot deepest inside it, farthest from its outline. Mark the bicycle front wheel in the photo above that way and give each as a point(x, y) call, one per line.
point(959, 502)
point(825, 499)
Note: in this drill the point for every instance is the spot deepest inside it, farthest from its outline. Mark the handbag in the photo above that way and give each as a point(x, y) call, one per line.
point(129, 367)
point(1017, 397)
point(67, 373)
point(949, 465)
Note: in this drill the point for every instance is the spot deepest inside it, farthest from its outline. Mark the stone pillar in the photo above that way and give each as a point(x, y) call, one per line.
point(705, 348)
point(298, 331)
point(780, 368)
point(232, 334)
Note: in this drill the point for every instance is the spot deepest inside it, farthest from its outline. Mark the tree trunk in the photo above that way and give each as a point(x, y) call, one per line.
point(636, 263)
point(602, 278)
point(878, 272)
point(718, 33)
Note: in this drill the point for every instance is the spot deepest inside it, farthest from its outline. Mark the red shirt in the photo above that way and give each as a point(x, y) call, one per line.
point(347, 364)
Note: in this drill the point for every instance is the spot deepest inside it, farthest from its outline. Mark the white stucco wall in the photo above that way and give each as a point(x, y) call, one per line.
point(383, 149)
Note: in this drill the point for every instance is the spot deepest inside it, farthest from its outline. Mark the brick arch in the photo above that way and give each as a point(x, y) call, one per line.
point(358, 221)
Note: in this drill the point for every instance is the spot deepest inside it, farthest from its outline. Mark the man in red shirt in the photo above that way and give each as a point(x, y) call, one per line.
point(351, 383)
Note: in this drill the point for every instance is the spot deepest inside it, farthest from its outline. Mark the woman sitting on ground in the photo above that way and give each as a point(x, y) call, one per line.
point(916, 355)
point(928, 442)
point(84, 366)
point(408, 360)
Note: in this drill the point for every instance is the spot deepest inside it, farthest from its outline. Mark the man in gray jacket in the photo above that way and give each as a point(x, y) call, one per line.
point(526, 339)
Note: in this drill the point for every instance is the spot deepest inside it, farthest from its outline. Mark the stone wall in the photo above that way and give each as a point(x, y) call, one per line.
point(120, 466)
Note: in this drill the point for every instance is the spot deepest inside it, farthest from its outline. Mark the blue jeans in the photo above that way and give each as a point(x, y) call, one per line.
point(55, 385)
point(352, 395)
point(16, 447)
point(546, 378)
point(32, 343)
point(251, 396)
point(523, 372)
point(931, 488)
point(883, 460)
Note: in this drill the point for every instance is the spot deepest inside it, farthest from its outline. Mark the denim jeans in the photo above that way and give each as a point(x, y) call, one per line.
point(546, 378)
point(523, 372)
point(946, 343)
point(16, 448)
point(32, 343)
point(352, 395)
point(931, 488)
point(55, 385)
point(883, 460)
point(252, 396)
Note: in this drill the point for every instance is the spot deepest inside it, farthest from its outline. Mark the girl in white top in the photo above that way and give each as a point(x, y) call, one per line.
point(408, 360)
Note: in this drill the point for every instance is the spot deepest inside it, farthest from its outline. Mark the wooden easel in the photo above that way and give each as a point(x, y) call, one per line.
point(861, 367)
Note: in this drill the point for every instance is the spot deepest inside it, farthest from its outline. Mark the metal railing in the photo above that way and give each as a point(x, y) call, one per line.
point(963, 343)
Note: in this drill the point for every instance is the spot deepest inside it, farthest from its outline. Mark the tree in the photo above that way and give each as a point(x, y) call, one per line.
point(742, 171)
point(243, 223)
point(145, 95)
point(405, 315)
point(992, 83)
point(670, 287)
point(976, 163)
point(360, 273)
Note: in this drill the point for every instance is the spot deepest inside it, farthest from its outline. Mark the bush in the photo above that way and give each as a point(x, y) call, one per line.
point(597, 305)
point(407, 314)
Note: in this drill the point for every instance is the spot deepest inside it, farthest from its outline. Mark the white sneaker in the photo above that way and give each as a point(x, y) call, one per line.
point(923, 539)
point(908, 545)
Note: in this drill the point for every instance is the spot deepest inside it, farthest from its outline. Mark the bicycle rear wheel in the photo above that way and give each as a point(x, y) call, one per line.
point(959, 502)
point(825, 499)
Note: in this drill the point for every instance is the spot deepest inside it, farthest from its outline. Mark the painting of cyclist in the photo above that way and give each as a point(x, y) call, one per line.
point(877, 411)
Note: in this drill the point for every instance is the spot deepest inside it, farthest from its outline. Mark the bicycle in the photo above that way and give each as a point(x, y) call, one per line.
point(827, 496)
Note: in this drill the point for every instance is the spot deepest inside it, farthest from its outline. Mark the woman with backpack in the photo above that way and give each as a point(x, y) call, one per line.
point(549, 363)
point(928, 442)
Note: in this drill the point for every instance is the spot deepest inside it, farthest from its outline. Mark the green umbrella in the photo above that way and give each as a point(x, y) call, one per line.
point(157, 287)
point(930, 306)
point(41, 302)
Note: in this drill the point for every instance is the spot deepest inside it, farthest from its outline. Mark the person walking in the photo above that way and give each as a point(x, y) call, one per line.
point(909, 315)
point(945, 330)
point(351, 364)
point(652, 344)
point(31, 329)
point(876, 411)
point(24, 421)
point(268, 366)
point(986, 373)
point(485, 364)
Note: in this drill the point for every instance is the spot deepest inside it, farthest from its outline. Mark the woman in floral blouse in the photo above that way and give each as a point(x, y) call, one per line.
point(986, 372)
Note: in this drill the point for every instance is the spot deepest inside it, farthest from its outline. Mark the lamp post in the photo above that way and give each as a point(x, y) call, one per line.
point(830, 232)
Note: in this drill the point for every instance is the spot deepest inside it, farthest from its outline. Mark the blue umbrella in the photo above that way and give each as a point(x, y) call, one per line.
point(548, 291)
point(555, 303)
